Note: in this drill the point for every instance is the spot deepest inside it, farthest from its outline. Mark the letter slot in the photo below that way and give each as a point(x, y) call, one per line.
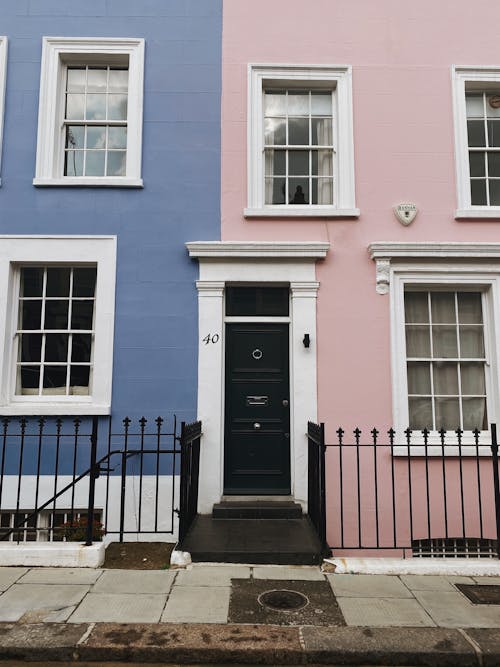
point(257, 400)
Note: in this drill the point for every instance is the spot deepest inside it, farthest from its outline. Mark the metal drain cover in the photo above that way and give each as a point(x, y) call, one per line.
point(283, 600)
point(481, 593)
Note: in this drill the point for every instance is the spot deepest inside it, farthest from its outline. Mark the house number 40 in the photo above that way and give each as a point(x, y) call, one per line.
point(211, 338)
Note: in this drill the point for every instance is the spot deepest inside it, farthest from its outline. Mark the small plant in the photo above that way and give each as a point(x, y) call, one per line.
point(76, 530)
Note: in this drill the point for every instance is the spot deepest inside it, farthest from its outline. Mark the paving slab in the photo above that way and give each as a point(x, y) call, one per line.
point(257, 644)
point(424, 582)
point(135, 581)
point(427, 647)
point(197, 604)
point(9, 575)
point(488, 641)
point(119, 608)
point(382, 612)
point(288, 573)
point(60, 575)
point(454, 610)
point(368, 586)
point(211, 576)
point(42, 641)
point(20, 599)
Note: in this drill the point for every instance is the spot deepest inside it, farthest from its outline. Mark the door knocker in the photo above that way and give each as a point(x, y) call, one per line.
point(257, 354)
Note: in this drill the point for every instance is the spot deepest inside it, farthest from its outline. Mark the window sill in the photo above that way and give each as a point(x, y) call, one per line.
point(435, 450)
point(90, 182)
point(301, 212)
point(54, 409)
point(478, 213)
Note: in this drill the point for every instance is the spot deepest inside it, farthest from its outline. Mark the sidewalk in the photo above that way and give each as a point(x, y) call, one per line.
point(212, 613)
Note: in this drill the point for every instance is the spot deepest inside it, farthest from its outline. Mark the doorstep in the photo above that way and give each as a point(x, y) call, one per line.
point(52, 554)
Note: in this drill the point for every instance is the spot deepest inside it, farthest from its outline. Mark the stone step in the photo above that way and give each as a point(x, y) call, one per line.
point(257, 509)
point(262, 541)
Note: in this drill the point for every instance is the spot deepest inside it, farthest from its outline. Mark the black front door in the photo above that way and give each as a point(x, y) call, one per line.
point(257, 423)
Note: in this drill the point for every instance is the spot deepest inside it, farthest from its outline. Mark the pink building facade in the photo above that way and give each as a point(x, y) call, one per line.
point(333, 114)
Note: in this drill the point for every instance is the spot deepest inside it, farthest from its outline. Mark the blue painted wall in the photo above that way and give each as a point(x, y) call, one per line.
point(155, 350)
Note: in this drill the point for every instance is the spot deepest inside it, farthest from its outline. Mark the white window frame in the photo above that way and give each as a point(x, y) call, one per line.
point(335, 77)
point(3, 81)
point(18, 251)
point(444, 266)
point(464, 79)
point(57, 52)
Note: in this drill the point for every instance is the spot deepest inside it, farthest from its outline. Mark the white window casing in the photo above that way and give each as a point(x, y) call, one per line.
point(3, 80)
point(466, 80)
point(335, 78)
point(74, 251)
point(57, 54)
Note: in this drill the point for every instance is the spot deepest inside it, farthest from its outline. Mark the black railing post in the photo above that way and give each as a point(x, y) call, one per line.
point(496, 482)
point(184, 481)
point(322, 481)
point(93, 475)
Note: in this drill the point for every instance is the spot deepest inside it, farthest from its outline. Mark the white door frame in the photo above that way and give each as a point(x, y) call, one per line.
point(224, 262)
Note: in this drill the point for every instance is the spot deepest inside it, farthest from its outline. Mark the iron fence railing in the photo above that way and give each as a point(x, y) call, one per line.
point(410, 493)
point(78, 479)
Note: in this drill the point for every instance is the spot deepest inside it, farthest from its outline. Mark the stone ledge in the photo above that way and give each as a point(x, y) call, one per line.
point(52, 554)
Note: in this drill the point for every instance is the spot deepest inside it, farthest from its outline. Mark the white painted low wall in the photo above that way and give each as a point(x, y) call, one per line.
point(471, 567)
point(51, 554)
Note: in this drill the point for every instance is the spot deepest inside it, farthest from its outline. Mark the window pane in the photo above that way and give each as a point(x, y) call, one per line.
point(417, 342)
point(117, 137)
point(492, 110)
point(298, 104)
point(75, 105)
point(58, 281)
point(30, 347)
point(494, 132)
point(117, 107)
point(76, 79)
point(275, 131)
point(493, 164)
point(257, 301)
point(31, 312)
point(472, 377)
point(117, 163)
point(322, 163)
point(275, 190)
point(322, 191)
point(275, 162)
point(274, 104)
point(321, 104)
point(28, 379)
point(96, 107)
point(321, 132)
point(495, 193)
point(31, 281)
point(56, 347)
point(419, 378)
point(471, 342)
point(298, 191)
point(81, 347)
point(54, 380)
point(84, 281)
point(469, 308)
point(79, 380)
point(444, 341)
point(416, 307)
point(298, 163)
point(474, 105)
point(82, 312)
point(56, 314)
point(445, 378)
point(97, 80)
point(476, 164)
point(478, 192)
point(96, 137)
point(447, 413)
point(118, 81)
point(75, 136)
point(94, 165)
point(443, 307)
point(475, 132)
point(474, 414)
point(420, 413)
point(73, 164)
point(298, 131)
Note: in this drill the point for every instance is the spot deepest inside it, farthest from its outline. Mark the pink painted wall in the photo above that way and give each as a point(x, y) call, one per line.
point(401, 54)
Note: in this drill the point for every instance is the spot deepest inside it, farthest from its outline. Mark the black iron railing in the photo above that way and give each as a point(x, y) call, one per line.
point(190, 464)
point(409, 493)
point(76, 479)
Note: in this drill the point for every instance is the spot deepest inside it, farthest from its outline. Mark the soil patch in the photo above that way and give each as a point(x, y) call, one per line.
point(138, 555)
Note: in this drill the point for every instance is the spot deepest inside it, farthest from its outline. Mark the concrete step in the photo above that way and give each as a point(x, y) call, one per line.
point(262, 541)
point(257, 509)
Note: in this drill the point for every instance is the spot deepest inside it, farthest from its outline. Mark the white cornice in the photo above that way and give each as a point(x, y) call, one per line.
point(257, 249)
point(386, 252)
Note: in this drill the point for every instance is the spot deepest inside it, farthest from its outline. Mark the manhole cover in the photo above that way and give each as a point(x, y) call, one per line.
point(481, 593)
point(283, 600)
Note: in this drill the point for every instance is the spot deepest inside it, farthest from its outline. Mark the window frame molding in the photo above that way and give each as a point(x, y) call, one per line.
point(56, 53)
point(3, 83)
point(460, 77)
point(58, 250)
point(339, 77)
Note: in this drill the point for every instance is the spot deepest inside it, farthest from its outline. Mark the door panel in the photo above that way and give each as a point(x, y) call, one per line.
point(257, 423)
